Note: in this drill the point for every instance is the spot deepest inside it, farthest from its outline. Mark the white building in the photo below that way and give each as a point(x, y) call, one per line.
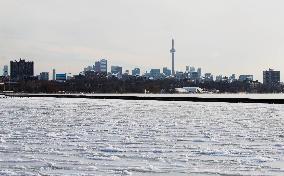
point(189, 90)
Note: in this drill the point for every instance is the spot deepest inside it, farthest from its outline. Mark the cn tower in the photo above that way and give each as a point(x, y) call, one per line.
point(173, 50)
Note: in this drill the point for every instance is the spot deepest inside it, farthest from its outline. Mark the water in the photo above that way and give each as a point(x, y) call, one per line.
point(49, 136)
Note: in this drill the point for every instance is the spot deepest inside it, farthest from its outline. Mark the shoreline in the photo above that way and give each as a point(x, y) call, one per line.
point(158, 97)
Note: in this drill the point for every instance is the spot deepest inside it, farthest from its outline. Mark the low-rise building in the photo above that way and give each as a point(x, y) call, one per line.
point(136, 72)
point(61, 77)
point(44, 76)
point(243, 78)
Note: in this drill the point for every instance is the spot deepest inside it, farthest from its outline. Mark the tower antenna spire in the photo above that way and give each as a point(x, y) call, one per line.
point(173, 50)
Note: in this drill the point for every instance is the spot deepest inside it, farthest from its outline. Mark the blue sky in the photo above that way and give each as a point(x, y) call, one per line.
point(221, 36)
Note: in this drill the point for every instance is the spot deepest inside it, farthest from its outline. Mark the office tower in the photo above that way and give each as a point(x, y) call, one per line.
point(53, 75)
point(271, 77)
point(101, 66)
point(155, 73)
point(44, 76)
point(136, 72)
point(21, 70)
point(173, 50)
point(116, 70)
point(166, 71)
point(192, 69)
point(194, 76)
point(5, 70)
point(97, 67)
point(199, 72)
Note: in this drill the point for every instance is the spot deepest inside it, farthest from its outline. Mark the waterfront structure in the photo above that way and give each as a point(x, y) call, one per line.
point(173, 50)
point(53, 75)
point(100, 66)
point(21, 70)
point(136, 72)
point(44, 76)
point(271, 77)
point(116, 70)
point(243, 78)
point(166, 71)
point(5, 71)
point(61, 77)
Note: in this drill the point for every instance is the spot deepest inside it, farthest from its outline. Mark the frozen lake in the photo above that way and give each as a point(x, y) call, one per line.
point(49, 136)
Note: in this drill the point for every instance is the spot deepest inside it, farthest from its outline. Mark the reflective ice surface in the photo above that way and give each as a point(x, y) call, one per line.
point(49, 136)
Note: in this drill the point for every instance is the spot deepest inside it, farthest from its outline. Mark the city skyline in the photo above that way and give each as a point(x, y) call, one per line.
point(98, 68)
point(221, 37)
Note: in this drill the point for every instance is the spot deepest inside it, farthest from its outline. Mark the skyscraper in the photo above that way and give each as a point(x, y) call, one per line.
point(101, 66)
point(21, 70)
point(173, 56)
point(199, 72)
point(97, 67)
point(166, 71)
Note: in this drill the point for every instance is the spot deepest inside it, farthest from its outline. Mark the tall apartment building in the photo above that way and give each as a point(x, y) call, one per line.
point(21, 70)
point(271, 77)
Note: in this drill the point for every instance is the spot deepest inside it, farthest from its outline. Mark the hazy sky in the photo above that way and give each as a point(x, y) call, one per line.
point(221, 36)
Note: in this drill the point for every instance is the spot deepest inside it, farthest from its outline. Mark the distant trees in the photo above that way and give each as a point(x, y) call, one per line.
point(132, 84)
